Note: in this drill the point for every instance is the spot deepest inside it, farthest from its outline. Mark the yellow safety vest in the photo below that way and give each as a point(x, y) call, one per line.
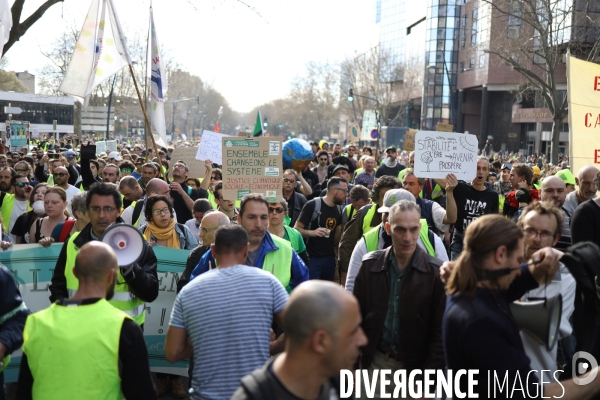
point(82, 361)
point(123, 299)
point(211, 199)
point(50, 180)
point(7, 208)
point(372, 239)
point(366, 227)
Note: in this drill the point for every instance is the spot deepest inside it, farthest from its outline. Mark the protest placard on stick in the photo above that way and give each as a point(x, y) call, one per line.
point(210, 147)
point(437, 155)
point(188, 156)
point(252, 166)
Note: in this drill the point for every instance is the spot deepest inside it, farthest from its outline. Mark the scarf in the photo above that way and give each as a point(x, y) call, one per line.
point(169, 234)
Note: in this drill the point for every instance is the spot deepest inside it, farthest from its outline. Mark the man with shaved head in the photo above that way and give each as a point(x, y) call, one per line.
point(586, 189)
point(320, 341)
point(554, 190)
point(116, 363)
point(130, 190)
point(211, 221)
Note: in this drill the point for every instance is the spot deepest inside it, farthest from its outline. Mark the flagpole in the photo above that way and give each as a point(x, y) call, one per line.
point(149, 129)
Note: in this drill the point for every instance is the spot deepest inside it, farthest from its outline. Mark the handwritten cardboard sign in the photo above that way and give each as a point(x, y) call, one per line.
point(409, 140)
point(188, 156)
point(210, 147)
point(438, 154)
point(100, 148)
point(111, 145)
point(252, 166)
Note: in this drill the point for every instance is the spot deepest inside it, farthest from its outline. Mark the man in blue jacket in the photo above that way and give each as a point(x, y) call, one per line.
point(13, 314)
point(266, 251)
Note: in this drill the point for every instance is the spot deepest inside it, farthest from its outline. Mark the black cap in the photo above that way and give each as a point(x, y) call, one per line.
point(340, 166)
point(391, 148)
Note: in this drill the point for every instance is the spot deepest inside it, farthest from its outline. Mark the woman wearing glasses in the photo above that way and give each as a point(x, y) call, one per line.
point(277, 217)
point(162, 230)
point(55, 205)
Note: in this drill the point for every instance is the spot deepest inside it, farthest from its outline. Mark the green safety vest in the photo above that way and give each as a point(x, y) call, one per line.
point(123, 299)
point(279, 262)
point(366, 227)
point(372, 239)
point(82, 361)
point(50, 180)
point(295, 239)
point(211, 199)
point(501, 199)
point(6, 210)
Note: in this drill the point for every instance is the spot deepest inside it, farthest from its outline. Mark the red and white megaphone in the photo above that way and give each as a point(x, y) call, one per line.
point(126, 241)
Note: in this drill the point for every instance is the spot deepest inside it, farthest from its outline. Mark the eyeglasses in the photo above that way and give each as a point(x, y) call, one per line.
point(215, 178)
point(206, 230)
point(289, 180)
point(165, 211)
point(22, 184)
point(21, 170)
point(278, 210)
point(97, 209)
point(127, 170)
point(530, 233)
point(60, 174)
point(181, 166)
point(323, 159)
point(345, 190)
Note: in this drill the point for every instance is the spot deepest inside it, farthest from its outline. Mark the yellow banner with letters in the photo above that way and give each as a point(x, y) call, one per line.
point(583, 89)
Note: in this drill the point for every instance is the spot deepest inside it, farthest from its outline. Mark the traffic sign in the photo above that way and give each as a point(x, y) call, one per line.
point(374, 134)
point(12, 110)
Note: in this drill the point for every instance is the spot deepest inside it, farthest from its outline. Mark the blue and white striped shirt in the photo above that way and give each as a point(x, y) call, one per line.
point(227, 314)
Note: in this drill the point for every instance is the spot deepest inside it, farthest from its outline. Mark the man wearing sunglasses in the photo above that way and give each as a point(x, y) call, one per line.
point(61, 179)
point(13, 205)
point(136, 283)
point(320, 222)
point(295, 201)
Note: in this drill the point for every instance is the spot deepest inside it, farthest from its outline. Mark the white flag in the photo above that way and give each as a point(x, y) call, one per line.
point(100, 51)
point(158, 89)
point(5, 23)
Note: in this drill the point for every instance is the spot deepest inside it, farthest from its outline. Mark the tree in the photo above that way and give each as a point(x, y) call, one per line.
point(19, 28)
point(539, 34)
point(9, 82)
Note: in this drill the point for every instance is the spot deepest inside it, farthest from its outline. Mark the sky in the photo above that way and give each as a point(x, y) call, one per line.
point(249, 51)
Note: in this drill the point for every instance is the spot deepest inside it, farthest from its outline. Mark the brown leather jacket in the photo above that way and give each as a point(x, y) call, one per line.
point(422, 304)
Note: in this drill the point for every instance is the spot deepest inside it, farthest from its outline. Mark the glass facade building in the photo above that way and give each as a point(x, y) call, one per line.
point(441, 63)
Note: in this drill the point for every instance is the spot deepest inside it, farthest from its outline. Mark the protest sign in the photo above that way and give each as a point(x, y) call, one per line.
point(111, 145)
point(32, 266)
point(437, 155)
point(409, 139)
point(210, 147)
point(188, 156)
point(252, 166)
point(100, 147)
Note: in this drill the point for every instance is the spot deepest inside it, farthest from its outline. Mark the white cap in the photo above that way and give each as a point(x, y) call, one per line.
point(393, 196)
point(115, 155)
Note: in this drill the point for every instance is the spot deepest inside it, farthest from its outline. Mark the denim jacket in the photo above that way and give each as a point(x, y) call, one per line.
point(187, 240)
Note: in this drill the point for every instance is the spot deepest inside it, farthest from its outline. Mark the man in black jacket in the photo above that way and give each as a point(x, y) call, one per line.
point(103, 204)
point(401, 299)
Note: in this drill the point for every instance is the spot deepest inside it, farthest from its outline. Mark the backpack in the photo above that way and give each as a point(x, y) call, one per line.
point(317, 211)
point(137, 210)
point(66, 230)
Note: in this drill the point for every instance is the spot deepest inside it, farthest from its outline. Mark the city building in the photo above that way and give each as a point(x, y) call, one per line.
point(27, 79)
point(468, 81)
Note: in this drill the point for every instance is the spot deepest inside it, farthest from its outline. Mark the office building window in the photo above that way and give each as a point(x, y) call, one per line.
point(474, 26)
point(463, 34)
point(482, 61)
point(514, 19)
point(472, 63)
point(462, 67)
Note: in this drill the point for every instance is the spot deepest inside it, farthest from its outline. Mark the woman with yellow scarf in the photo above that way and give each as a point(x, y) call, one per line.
point(162, 230)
